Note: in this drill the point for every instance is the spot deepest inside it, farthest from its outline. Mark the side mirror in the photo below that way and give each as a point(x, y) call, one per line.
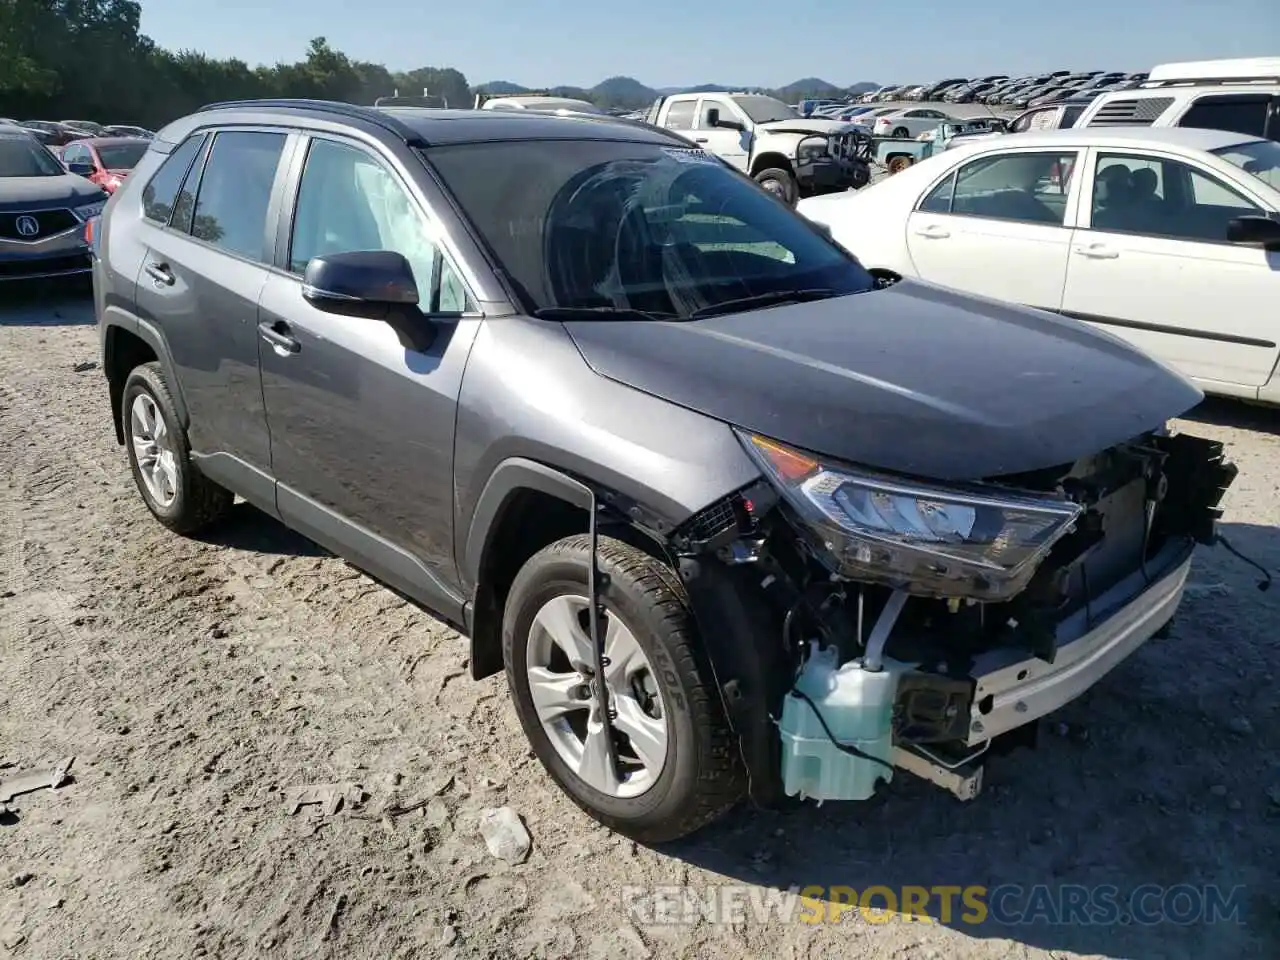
point(81, 169)
point(1255, 231)
point(714, 118)
point(374, 285)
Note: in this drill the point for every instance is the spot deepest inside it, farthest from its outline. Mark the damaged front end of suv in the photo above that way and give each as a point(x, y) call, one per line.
point(860, 622)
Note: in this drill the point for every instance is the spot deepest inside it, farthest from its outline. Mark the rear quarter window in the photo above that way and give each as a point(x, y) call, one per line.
point(161, 191)
point(1235, 114)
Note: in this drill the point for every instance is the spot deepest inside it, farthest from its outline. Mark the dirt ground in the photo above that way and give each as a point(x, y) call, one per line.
point(197, 683)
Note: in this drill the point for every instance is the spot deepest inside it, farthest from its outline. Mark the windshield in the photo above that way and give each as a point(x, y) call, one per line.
point(23, 157)
point(637, 229)
point(763, 109)
point(1259, 157)
point(121, 156)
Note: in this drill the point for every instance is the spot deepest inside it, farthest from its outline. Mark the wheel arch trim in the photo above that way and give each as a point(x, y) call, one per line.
point(115, 320)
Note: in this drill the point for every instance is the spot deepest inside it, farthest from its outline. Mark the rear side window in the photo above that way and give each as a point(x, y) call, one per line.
point(1236, 114)
point(235, 191)
point(160, 192)
point(1023, 187)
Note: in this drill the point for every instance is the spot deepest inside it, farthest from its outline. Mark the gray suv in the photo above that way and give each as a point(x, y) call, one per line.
point(737, 520)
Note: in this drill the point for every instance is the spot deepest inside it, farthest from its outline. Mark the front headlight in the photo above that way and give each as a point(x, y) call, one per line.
point(90, 210)
point(812, 149)
point(930, 541)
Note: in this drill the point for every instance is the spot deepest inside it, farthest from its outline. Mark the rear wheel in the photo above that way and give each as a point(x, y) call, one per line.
point(899, 163)
point(780, 183)
point(665, 764)
point(174, 490)
point(901, 133)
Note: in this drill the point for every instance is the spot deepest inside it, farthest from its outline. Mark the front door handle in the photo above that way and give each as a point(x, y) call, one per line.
point(160, 273)
point(933, 232)
point(1097, 252)
point(277, 334)
point(699, 139)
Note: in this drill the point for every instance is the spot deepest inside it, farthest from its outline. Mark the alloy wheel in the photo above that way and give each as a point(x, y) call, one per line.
point(562, 685)
point(153, 450)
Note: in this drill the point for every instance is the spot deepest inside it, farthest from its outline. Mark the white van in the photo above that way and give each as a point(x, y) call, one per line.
point(1240, 95)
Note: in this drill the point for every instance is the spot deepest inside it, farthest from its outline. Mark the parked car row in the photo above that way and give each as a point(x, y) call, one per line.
point(58, 133)
point(1005, 90)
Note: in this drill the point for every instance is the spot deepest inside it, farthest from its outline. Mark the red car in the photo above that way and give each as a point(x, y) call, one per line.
point(110, 157)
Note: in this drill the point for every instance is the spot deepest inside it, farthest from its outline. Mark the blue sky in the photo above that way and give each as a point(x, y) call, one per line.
point(672, 42)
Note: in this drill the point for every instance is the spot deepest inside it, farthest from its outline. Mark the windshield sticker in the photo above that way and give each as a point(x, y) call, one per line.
point(689, 155)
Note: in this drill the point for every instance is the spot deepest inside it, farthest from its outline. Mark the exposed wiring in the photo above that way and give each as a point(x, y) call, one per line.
point(1265, 582)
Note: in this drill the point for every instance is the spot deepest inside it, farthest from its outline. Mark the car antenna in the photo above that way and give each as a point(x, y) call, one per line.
point(596, 580)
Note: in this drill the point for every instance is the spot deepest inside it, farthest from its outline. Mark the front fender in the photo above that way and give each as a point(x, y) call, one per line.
point(511, 477)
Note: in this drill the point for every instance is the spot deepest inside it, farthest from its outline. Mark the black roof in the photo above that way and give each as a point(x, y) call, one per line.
point(425, 126)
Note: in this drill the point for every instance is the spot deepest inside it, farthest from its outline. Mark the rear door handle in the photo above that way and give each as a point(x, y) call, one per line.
point(1097, 252)
point(699, 139)
point(160, 273)
point(933, 232)
point(277, 334)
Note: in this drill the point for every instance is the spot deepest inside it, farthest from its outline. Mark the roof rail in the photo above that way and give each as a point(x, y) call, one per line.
point(1238, 70)
point(373, 115)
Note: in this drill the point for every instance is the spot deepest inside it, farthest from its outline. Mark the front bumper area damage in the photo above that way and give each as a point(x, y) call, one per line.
point(835, 673)
point(830, 164)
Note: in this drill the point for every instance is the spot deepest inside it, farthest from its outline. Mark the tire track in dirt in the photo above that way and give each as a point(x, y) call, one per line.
point(174, 581)
point(242, 672)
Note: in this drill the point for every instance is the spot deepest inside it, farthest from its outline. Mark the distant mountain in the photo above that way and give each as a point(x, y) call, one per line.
point(623, 92)
point(631, 93)
point(501, 88)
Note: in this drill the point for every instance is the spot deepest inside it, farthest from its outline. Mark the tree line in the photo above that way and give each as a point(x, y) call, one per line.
point(87, 60)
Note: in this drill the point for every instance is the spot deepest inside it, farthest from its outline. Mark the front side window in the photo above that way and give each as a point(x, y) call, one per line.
point(680, 115)
point(1024, 187)
point(235, 191)
point(1163, 198)
point(20, 156)
point(660, 231)
point(348, 201)
point(161, 191)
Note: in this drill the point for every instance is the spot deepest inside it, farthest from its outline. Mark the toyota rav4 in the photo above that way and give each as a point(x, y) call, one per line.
point(736, 520)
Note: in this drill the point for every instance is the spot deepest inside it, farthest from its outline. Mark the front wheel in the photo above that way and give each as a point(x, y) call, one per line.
point(780, 183)
point(665, 763)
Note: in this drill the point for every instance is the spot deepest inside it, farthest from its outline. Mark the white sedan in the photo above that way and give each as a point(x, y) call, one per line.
point(910, 122)
point(1169, 238)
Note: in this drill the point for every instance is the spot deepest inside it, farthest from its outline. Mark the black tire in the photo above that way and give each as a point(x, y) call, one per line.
point(901, 133)
point(701, 778)
point(199, 502)
point(781, 183)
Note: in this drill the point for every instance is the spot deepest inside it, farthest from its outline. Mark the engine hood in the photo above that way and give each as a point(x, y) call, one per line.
point(913, 379)
point(36, 193)
point(811, 126)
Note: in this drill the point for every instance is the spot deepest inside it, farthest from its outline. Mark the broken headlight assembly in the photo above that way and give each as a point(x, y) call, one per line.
point(928, 540)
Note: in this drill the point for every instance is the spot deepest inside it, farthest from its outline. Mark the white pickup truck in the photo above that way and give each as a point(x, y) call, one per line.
point(787, 154)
